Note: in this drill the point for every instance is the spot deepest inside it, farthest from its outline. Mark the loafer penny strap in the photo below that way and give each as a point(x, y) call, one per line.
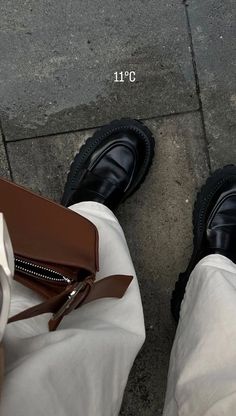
point(221, 239)
point(98, 189)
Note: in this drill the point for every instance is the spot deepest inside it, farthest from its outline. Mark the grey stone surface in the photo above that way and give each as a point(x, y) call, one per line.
point(58, 60)
point(4, 168)
point(214, 33)
point(157, 224)
point(42, 164)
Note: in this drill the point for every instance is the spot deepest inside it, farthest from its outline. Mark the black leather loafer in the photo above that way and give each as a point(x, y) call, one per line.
point(214, 226)
point(111, 165)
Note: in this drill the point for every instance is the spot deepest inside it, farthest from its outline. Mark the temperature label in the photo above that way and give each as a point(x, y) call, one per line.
point(125, 76)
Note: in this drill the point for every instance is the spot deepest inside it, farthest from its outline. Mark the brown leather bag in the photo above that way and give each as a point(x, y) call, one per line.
point(56, 254)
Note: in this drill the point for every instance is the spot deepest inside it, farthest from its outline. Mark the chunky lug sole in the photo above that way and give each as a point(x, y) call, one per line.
point(117, 126)
point(205, 201)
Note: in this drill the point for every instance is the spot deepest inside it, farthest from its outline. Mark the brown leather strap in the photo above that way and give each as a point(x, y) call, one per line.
point(112, 286)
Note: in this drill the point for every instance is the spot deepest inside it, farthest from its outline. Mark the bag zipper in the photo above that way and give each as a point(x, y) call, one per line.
point(39, 272)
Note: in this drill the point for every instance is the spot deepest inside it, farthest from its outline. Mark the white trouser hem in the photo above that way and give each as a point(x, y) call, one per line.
point(202, 371)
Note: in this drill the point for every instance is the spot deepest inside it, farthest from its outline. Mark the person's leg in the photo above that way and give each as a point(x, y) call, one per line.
point(85, 364)
point(82, 368)
point(202, 372)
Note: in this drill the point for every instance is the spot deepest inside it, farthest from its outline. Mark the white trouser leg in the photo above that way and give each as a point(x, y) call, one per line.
point(82, 368)
point(202, 372)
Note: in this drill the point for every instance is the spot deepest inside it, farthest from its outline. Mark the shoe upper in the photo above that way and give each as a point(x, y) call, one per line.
point(221, 225)
point(112, 170)
point(109, 170)
point(214, 226)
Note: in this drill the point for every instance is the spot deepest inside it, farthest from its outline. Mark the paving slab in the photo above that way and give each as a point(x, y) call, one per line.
point(214, 33)
point(58, 61)
point(157, 224)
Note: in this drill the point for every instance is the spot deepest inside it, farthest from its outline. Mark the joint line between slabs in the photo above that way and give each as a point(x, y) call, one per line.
point(197, 84)
point(101, 125)
point(6, 151)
